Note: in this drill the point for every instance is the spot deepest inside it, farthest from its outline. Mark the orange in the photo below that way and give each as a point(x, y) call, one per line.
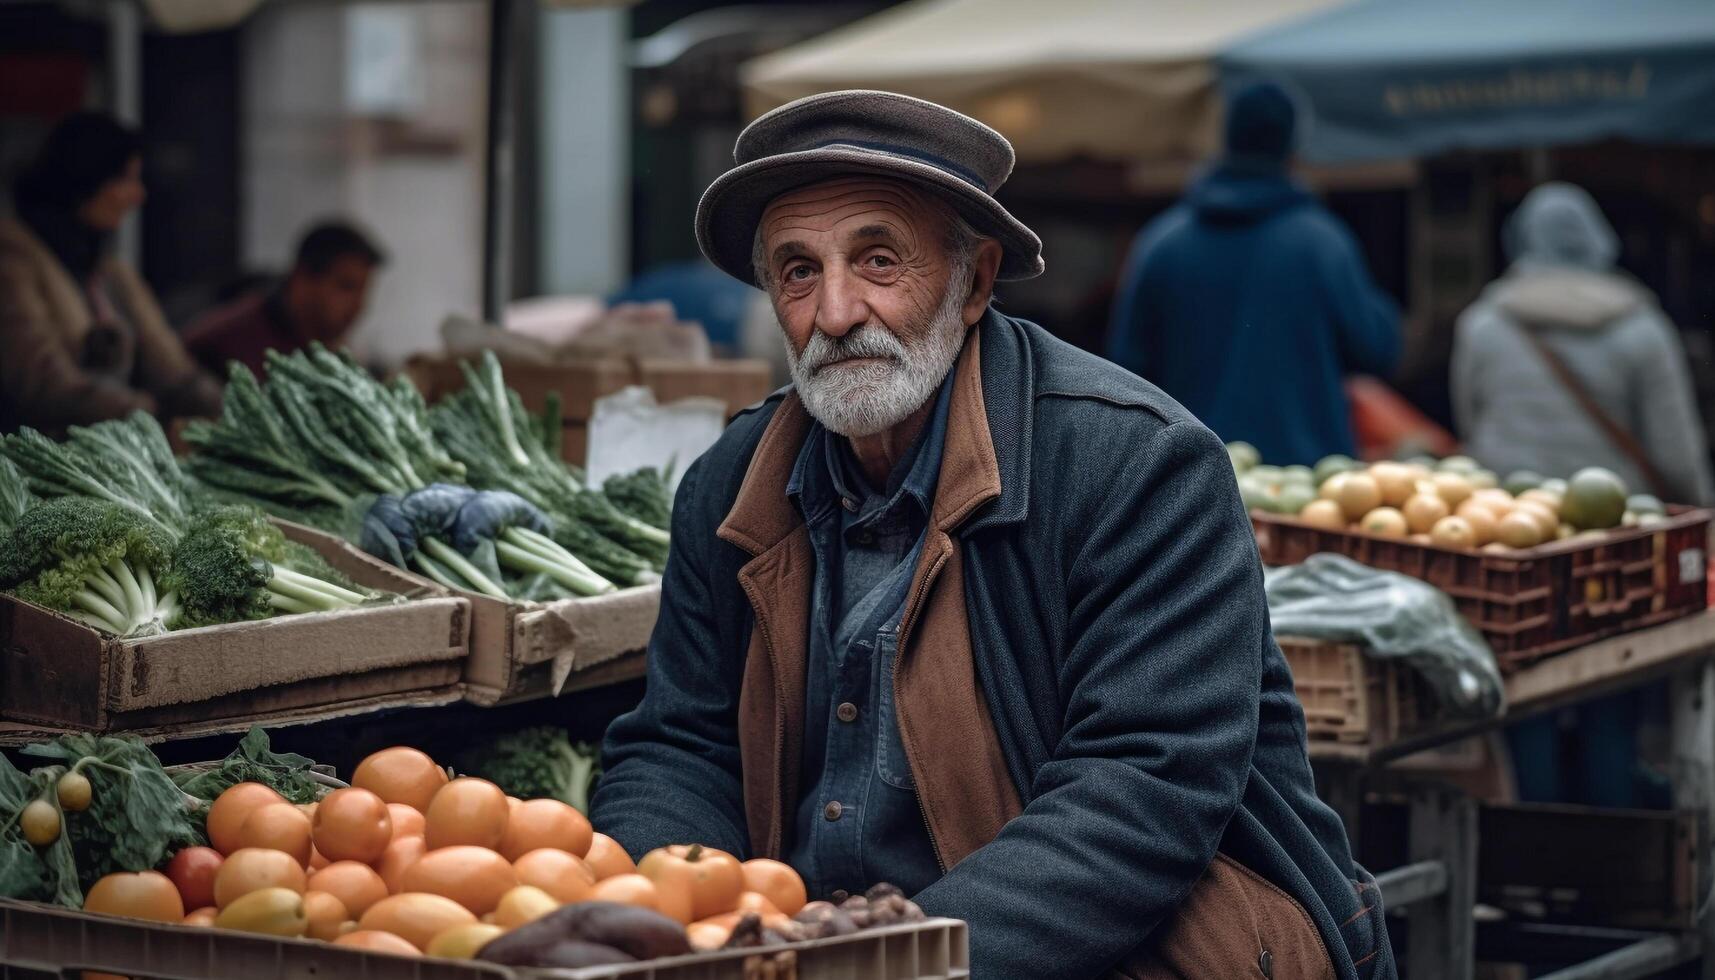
point(627, 889)
point(400, 775)
point(309, 810)
point(278, 827)
point(318, 860)
point(607, 859)
point(474, 877)
point(561, 875)
point(407, 821)
point(352, 825)
point(325, 913)
point(706, 936)
point(357, 886)
point(466, 811)
point(230, 808)
point(415, 917)
point(545, 823)
point(400, 854)
point(378, 942)
point(251, 868)
point(203, 917)
point(140, 895)
point(778, 881)
point(526, 903)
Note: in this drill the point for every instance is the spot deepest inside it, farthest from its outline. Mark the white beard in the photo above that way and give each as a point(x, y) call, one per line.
point(864, 399)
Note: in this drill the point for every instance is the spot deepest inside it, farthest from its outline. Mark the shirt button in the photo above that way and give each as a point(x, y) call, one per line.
point(849, 504)
point(833, 810)
point(865, 538)
point(839, 895)
point(846, 712)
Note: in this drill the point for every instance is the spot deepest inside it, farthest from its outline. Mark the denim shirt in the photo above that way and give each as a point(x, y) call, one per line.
point(859, 822)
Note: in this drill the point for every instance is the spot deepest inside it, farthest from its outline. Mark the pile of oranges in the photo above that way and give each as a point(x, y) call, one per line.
point(410, 861)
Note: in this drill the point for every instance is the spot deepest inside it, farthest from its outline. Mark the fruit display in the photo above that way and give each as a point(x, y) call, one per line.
point(1449, 503)
point(408, 860)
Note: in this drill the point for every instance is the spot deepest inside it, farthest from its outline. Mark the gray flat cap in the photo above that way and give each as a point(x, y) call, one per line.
point(841, 134)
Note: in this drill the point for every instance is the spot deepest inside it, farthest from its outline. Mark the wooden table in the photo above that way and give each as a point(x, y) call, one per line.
point(1439, 883)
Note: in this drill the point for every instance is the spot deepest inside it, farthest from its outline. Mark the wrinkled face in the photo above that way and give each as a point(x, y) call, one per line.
point(873, 303)
point(334, 299)
point(107, 207)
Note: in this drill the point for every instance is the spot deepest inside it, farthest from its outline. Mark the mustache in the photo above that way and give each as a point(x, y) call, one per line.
point(823, 350)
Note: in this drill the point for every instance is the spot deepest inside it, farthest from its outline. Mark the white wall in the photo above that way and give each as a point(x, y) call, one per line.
point(585, 163)
point(414, 180)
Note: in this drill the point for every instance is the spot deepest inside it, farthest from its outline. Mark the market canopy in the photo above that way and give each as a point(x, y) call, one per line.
point(1107, 78)
point(1403, 78)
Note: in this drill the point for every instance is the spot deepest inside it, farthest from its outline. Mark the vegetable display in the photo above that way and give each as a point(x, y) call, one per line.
point(406, 861)
point(106, 529)
point(535, 762)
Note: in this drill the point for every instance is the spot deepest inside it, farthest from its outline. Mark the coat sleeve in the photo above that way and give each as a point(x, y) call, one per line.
point(1670, 428)
point(671, 766)
point(1366, 319)
point(44, 384)
point(1160, 686)
point(1135, 319)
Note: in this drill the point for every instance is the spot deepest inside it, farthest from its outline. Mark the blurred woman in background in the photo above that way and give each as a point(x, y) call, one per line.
point(81, 335)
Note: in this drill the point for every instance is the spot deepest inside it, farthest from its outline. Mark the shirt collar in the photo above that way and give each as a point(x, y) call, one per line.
point(819, 478)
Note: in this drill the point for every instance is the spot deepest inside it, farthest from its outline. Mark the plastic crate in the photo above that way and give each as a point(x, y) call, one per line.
point(47, 941)
point(1350, 697)
point(1533, 602)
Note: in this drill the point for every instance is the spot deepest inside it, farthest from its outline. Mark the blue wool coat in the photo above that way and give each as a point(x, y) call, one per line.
point(1119, 632)
point(1248, 303)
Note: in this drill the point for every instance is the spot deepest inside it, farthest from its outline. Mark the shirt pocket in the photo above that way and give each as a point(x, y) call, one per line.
point(890, 761)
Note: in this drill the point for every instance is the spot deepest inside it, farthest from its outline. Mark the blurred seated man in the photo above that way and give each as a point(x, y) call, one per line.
point(319, 300)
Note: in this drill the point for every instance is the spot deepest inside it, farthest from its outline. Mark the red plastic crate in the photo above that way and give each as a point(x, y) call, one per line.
point(1537, 601)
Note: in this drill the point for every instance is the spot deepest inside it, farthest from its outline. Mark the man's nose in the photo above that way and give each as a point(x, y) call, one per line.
point(842, 308)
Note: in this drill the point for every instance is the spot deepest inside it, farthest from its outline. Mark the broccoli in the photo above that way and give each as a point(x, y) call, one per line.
point(94, 561)
point(233, 565)
point(535, 763)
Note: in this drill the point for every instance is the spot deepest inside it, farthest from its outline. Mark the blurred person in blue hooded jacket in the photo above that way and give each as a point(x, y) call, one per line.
point(1564, 293)
point(1249, 302)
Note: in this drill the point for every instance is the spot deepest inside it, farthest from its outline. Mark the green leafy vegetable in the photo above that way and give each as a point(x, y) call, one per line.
point(94, 561)
point(535, 763)
point(642, 494)
point(15, 496)
point(254, 760)
point(45, 874)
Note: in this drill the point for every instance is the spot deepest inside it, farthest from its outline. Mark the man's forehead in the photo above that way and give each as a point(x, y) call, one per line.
point(871, 201)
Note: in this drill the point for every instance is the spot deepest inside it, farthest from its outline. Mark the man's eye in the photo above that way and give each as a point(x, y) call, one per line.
point(798, 272)
point(880, 261)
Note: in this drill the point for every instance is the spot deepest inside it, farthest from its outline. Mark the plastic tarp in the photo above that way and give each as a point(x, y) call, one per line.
point(1117, 79)
point(1386, 79)
point(1331, 597)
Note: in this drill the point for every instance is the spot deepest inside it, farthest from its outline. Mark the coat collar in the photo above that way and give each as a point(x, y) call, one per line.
point(986, 459)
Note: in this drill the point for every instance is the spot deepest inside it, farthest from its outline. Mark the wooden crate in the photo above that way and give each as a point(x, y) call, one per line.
point(1537, 601)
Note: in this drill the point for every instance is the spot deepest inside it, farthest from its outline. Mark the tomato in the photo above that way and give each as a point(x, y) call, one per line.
point(250, 869)
point(526, 903)
point(415, 917)
point(407, 821)
point(695, 882)
point(192, 871)
point(140, 895)
point(545, 823)
point(202, 918)
point(269, 911)
point(318, 860)
point(607, 859)
point(357, 886)
point(463, 942)
point(778, 881)
point(466, 811)
point(400, 775)
point(231, 808)
point(400, 854)
point(628, 889)
point(378, 942)
point(277, 827)
point(352, 825)
point(474, 877)
point(324, 913)
point(707, 936)
point(559, 874)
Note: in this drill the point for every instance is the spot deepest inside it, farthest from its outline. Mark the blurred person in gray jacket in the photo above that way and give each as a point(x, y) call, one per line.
point(1564, 338)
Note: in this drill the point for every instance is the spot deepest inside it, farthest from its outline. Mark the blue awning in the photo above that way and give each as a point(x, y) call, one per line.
point(1383, 79)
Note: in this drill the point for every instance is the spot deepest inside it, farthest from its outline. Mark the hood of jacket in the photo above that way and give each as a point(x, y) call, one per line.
point(1563, 252)
point(1557, 296)
point(1237, 191)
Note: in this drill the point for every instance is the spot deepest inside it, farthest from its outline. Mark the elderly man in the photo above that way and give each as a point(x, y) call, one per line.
point(968, 610)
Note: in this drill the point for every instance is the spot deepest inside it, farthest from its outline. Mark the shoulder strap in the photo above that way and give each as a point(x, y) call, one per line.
point(1617, 435)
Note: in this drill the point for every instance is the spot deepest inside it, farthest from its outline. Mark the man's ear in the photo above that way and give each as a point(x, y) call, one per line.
point(983, 271)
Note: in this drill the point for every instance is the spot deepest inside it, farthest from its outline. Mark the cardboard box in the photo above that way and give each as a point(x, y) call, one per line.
point(522, 650)
point(736, 383)
point(58, 673)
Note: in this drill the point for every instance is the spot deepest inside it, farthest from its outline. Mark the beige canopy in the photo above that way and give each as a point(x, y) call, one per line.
point(1117, 79)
